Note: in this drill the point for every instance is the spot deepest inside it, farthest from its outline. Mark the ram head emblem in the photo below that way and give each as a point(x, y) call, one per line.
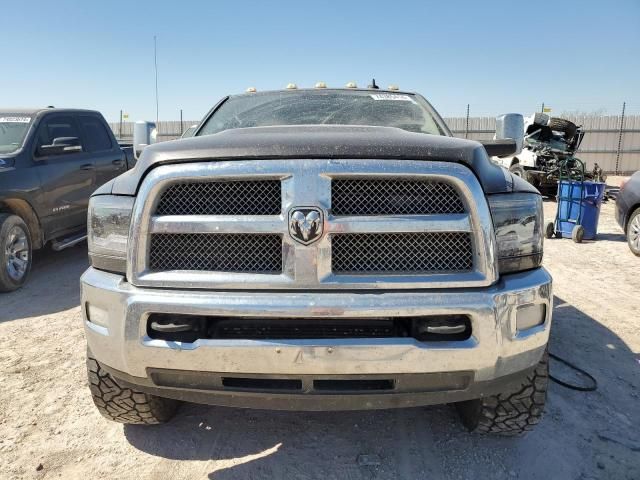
point(305, 224)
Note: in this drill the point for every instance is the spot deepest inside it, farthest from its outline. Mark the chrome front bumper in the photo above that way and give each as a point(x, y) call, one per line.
point(117, 337)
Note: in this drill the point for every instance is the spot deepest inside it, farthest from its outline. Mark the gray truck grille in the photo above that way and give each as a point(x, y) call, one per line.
point(394, 197)
point(252, 197)
point(386, 224)
point(241, 253)
point(398, 253)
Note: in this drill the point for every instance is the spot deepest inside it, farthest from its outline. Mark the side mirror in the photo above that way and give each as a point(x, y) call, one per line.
point(60, 146)
point(511, 125)
point(144, 134)
point(509, 136)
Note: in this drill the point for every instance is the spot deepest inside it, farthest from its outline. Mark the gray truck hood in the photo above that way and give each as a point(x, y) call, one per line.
point(321, 142)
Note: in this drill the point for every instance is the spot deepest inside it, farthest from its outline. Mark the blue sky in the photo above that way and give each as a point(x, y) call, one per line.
point(496, 56)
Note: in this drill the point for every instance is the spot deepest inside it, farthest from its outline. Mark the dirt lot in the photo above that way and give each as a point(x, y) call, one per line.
point(50, 429)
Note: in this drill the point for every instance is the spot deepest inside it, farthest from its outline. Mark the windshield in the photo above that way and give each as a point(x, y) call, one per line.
point(329, 107)
point(13, 129)
point(189, 131)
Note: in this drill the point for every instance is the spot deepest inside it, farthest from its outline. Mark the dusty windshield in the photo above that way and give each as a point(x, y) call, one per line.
point(13, 129)
point(329, 107)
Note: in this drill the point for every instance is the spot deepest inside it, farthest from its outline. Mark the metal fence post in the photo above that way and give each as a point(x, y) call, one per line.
point(466, 128)
point(620, 134)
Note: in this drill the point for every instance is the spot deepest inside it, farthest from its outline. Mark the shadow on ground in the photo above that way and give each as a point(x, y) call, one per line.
point(583, 435)
point(53, 285)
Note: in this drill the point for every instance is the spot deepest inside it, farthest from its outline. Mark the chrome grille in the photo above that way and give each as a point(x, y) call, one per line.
point(253, 197)
point(398, 253)
point(240, 253)
point(387, 224)
point(394, 197)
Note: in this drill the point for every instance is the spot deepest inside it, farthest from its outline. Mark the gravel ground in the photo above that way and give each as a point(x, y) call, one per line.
point(50, 429)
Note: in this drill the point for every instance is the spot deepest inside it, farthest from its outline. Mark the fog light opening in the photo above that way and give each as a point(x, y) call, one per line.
point(96, 315)
point(529, 316)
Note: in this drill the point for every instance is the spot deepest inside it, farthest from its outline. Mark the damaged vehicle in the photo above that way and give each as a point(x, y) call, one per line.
point(320, 249)
point(548, 142)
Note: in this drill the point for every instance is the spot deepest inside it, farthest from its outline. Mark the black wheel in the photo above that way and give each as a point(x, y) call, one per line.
point(510, 413)
point(633, 232)
point(517, 169)
point(520, 171)
point(15, 252)
point(550, 229)
point(561, 125)
point(577, 234)
point(126, 405)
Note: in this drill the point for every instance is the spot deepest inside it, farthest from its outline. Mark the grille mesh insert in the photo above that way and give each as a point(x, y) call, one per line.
point(251, 197)
point(398, 253)
point(240, 253)
point(394, 197)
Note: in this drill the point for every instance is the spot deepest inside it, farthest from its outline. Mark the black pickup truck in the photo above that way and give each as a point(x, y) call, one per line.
point(51, 160)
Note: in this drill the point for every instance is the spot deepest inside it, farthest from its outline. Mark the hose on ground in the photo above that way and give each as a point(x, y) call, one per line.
point(580, 388)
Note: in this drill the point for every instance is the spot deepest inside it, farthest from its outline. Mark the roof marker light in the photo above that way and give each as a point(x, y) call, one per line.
point(251, 90)
point(321, 85)
point(393, 87)
point(291, 86)
point(351, 85)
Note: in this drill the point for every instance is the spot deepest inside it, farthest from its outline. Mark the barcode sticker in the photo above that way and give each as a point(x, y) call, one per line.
point(392, 97)
point(15, 119)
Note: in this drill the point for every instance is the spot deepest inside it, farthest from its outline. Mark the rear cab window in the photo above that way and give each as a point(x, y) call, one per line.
point(96, 136)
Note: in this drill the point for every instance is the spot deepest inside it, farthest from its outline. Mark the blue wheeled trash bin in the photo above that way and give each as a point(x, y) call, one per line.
point(579, 204)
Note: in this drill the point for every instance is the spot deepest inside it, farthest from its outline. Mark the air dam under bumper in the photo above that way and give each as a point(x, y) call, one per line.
point(322, 374)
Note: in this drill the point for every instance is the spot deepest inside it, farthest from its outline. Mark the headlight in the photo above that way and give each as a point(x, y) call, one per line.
point(517, 221)
point(108, 231)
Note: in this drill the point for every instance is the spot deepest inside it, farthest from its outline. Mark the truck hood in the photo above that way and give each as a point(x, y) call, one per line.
point(321, 142)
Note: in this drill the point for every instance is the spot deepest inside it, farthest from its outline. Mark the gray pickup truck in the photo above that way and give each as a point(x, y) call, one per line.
point(319, 249)
point(51, 161)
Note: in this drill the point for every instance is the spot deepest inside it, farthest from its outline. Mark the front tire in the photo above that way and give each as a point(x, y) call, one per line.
point(15, 252)
point(517, 170)
point(126, 405)
point(633, 232)
point(514, 412)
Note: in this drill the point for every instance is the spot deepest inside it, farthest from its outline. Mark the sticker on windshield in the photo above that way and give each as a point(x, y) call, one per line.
point(392, 97)
point(15, 119)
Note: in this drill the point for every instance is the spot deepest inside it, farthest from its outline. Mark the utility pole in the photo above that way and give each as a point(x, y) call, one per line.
point(181, 125)
point(542, 108)
point(120, 129)
point(155, 61)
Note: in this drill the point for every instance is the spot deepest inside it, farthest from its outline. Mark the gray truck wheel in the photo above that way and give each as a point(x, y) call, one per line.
point(562, 125)
point(517, 169)
point(520, 171)
point(633, 232)
point(510, 413)
point(125, 405)
point(15, 252)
